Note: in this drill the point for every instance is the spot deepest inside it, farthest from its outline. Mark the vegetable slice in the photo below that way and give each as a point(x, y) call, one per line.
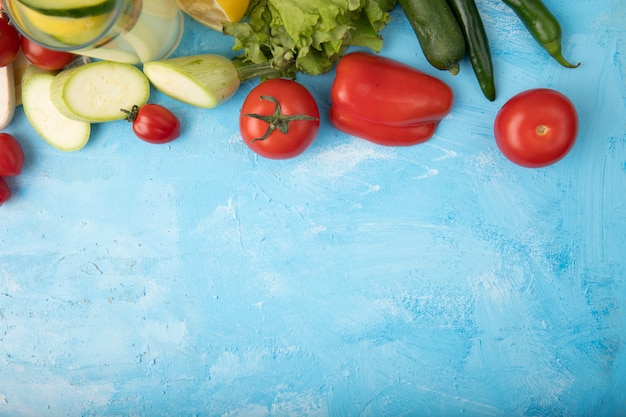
point(96, 92)
point(204, 80)
point(19, 66)
point(54, 127)
point(7, 95)
point(200, 80)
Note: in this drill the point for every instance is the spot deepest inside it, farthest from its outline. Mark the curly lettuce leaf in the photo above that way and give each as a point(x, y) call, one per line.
point(308, 36)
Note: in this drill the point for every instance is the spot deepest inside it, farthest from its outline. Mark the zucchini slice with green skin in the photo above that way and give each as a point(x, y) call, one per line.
point(97, 92)
point(70, 8)
point(438, 32)
point(54, 127)
point(203, 81)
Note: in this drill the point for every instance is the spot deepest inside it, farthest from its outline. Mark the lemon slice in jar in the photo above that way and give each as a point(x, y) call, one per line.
point(212, 13)
point(67, 30)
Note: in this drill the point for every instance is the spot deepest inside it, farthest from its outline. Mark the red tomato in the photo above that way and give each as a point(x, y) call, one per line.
point(5, 191)
point(279, 119)
point(11, 156)
point(154, 123)
point(536, 128)
point(45, 58)
point(9, 41)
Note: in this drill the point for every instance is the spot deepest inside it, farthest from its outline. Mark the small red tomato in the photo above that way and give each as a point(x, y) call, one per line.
point(11, 156)
point(154, 123)
point(536, 128)
point(9, 41)
point(45, 58)
point(279, 119)
point(5, 191)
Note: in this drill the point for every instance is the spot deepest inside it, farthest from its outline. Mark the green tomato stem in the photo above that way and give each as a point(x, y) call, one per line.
point(277, 120)
point(132, 114)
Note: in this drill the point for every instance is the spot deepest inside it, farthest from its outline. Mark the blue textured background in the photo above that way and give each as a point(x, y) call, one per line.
point(197, 279)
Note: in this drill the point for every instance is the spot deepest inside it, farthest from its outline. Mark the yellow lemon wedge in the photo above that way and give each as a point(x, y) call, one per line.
point(212, 13)
point(67, 30)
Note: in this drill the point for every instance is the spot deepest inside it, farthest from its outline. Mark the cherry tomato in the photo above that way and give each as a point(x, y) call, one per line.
point(279, 119)
point(45, 58)
point(536, 128)
point(9, 41)
point(11, 156)
point(154, 123)
point(5, 191)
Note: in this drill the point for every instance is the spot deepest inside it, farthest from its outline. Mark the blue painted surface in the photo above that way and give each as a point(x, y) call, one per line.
point(197, 279)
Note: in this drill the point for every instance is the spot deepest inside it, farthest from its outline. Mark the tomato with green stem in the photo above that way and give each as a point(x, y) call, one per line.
point(153, 123)
point(279, 119)
point(45, 58)
point(9, 40)
point(536, 128)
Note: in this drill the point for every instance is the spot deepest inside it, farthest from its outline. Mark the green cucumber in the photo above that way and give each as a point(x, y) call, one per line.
point(96, 92)
point(70, 8)
point(438, 32)
point(54, 127)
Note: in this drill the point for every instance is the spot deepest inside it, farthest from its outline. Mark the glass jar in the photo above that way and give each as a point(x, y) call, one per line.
point(129, 31)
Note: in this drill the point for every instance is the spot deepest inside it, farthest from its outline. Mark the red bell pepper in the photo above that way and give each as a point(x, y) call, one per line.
point(385, 101)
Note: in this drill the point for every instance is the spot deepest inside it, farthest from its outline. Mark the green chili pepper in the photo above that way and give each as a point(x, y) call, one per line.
point(477, 44)
point(542, 25)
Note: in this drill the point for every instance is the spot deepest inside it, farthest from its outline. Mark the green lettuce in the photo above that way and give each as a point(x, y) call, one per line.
point(307, 36)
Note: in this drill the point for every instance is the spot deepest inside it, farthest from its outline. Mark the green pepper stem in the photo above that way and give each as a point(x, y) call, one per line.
point(554, 49)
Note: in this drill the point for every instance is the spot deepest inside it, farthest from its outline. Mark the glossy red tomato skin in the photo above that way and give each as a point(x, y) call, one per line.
point(536, 128)
point(294, 99)
point(11, 156)
point(9, 41)
point(156, 124)
point(5, 191)
point(44, 58)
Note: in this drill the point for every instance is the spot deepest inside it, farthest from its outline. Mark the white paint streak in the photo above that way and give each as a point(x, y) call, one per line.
point(223, 219)
point(229, 367)
point(431, 172)
point(252, 410)
point(337, 161)
point(508, 305)
point(447, 153)
point(318, 229)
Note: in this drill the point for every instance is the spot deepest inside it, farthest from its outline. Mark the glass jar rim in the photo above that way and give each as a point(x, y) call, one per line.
point(119, 21)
